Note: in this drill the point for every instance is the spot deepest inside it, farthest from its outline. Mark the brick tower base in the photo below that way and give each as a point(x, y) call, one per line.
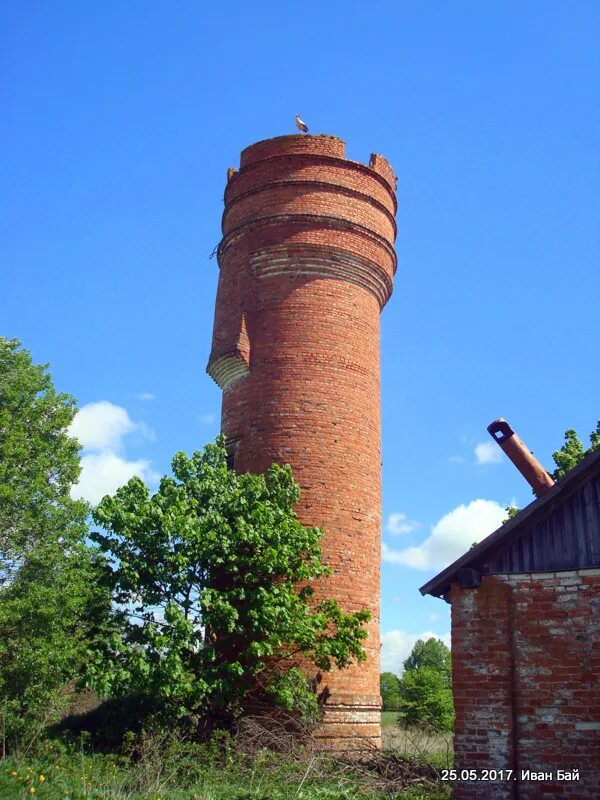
point(351, 723)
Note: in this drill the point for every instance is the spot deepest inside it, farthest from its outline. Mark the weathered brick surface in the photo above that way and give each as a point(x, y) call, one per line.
point(292, 197)
point(526, 680)
point(348, 176)
point(296, 145)
point(307, 263)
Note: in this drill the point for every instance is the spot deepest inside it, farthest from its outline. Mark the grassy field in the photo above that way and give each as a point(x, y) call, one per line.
point(165, 768)
point(436, 746)
point(99, 778)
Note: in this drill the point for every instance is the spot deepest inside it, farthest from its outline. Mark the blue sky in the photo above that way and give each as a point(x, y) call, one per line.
point(119, 123)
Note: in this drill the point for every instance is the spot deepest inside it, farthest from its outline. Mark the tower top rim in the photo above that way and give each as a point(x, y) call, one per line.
point(310, 144)
point(299, 137)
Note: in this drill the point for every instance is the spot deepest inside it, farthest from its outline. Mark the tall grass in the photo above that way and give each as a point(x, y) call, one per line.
point(165, 766)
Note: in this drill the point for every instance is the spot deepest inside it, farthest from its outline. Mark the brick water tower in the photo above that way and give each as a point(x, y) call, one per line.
point(306, 265)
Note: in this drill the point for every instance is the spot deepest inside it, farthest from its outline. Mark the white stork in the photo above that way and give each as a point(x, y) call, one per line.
point(302, 126)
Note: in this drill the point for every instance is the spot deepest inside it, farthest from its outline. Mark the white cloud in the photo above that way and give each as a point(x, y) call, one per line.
point(450, 537)
point(100, 428)
point(103, 473)
point(488, 453)
point(398, 523)
point(145, 396)
point(396, 647)
point(207, 419)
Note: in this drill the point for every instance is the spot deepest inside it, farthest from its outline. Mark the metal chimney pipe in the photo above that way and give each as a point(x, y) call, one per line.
point(527, 464)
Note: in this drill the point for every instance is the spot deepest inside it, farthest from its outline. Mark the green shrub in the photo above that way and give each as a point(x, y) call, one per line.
point(213, 577)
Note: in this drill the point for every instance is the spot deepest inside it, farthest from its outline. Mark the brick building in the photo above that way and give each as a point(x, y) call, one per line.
point(306, 265)
point(526, 648)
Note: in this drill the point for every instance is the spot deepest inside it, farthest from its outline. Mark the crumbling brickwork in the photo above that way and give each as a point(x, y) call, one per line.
point(306, 265)
point(526, 681)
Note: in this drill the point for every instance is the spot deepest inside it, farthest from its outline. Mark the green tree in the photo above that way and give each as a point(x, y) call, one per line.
point(50, 613)
point(425, 686)
point(425, 697)
point(212, 574)
point(512, 511)
point(51, 602)
point(389, 686)
point(431, 653)
point(572, 451)
point(39, 461)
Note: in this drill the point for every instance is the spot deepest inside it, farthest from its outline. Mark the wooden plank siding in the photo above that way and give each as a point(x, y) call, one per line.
point(566, 537)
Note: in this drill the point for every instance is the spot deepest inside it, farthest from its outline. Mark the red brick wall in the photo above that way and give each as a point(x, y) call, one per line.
point(526, 681)
point(481, 683)
point(307, 263)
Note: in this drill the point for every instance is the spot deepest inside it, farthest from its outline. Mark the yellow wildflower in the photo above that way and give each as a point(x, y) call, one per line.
point(42, 778)
point(32, 790)
point(14, 774)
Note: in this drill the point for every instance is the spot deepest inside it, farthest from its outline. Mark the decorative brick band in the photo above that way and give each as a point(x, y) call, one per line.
point(227, 369)
point(294, 168)
point(320, 262)
point(352, 722)
point(377, 168)
point(311, 185)
point(307, 221)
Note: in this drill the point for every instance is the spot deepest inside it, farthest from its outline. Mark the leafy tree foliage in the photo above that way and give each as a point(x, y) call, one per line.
point(212, 574)
point(573, 451)
point(430, 653)
point(50, 599)
point(39, 461)
point(511, 511)
point(425, 687)
point(50, 613)
point(389, 686)
point(426, 698)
